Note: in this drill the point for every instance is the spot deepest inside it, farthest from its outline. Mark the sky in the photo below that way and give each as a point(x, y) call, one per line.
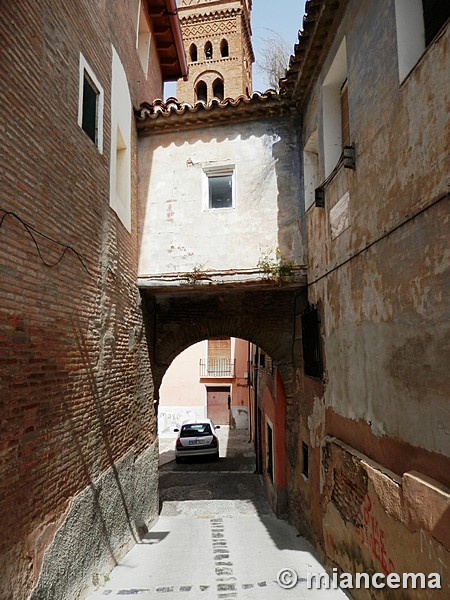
point(284, 17)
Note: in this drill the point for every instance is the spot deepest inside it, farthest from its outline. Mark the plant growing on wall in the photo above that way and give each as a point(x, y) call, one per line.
point(197, 274)
point(274, 264)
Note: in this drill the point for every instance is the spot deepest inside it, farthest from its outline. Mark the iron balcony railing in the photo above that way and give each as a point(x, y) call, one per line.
point(217, 367)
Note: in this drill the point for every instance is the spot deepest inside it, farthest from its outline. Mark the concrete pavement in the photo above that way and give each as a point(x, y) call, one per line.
point(216, 537)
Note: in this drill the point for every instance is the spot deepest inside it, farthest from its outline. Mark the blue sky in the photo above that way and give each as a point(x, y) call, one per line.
point(285, 17)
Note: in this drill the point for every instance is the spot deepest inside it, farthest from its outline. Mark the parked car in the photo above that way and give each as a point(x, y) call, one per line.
point(197, 438)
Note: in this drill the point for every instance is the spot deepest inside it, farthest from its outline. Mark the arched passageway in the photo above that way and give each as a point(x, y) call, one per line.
point(266, 317)
point(177, 318)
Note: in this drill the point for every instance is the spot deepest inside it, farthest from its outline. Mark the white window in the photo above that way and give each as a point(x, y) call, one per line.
point(417, 22)
point(120, 166)
point(143, 37)
point(311, 168)
point(219, 185)
point(90, 104)
point(333, 103)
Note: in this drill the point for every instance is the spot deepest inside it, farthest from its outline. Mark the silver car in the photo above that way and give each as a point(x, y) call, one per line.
point(197, 438)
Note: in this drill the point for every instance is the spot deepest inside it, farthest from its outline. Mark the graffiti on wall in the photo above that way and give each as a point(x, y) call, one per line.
point(171, 417)
point(371, 535)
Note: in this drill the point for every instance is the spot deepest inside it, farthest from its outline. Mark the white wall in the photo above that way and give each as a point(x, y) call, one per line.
point(180, 234)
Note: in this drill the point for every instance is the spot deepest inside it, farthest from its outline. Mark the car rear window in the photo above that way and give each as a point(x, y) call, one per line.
point(195, 430)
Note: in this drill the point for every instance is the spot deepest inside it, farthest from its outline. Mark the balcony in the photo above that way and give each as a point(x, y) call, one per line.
point(217, 367)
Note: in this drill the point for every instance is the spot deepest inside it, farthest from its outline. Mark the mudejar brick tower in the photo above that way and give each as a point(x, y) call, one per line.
point(217, 40)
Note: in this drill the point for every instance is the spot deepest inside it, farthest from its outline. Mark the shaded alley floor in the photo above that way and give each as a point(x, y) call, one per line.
point(216, 537)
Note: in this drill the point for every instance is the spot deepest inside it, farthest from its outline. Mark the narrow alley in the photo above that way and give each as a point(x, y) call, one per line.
point(216, 536)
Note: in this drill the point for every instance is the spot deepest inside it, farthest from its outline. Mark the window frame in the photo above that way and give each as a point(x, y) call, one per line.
point(85, 70)
point(413, 38)
point(332, 109)
point(218, 171)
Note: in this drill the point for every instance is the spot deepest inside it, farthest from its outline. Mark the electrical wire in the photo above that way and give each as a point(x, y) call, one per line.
point(31, 230)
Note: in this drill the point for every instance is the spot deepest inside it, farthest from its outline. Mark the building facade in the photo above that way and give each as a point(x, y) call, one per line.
point(217, 41)
point(207, 380)
point(78, 430)
point(371, 82)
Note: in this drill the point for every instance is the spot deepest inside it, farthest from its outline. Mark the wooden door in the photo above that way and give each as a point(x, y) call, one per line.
point(217, 405)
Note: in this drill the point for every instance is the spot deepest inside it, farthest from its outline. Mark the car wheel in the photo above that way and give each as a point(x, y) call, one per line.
point(216, 456)
point(178, 459)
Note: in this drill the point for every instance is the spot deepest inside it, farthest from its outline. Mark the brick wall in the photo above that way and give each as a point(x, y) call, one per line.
point(76, 387)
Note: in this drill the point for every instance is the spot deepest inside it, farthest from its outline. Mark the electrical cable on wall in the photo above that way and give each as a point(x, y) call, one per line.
point(31, 230)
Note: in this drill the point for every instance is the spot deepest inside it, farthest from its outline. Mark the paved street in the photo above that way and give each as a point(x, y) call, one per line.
point(216, 538)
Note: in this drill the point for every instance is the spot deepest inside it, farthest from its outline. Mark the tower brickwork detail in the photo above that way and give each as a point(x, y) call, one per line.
point(217, 41)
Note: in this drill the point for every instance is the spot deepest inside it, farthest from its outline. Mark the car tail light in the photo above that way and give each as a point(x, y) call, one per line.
point(214, 441)
point(178, 443)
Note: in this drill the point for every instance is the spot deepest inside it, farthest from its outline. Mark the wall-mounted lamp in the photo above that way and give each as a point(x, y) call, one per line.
point(348, 156)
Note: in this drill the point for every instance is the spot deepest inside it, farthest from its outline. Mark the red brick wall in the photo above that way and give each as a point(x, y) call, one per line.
point(76, 388)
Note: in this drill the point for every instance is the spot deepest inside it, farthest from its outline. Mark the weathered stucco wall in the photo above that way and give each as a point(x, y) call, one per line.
point(120, 507)
point(377, 522)
point(178, 232)
point(381, 286)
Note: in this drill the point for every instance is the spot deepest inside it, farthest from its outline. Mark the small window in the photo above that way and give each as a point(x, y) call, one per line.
point(224, 51)
point(201, 91)
point(312, 354)
point(218, 91)
point(220, 188)
point(305, 460)
point(90, 104)
point(208, 51)
point(90, 108)
point(193, 53)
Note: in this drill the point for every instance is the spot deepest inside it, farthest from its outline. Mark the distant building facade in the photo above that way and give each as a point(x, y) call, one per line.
point(217, 41)
point(209, 379)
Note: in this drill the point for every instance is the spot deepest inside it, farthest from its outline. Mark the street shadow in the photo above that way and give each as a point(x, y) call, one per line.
point(230, 486)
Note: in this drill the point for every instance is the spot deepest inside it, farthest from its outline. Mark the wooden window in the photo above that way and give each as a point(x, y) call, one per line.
point(219, 357)
point(345, 122)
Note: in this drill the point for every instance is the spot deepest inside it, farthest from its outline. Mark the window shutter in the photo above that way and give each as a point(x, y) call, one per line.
point(345, 122)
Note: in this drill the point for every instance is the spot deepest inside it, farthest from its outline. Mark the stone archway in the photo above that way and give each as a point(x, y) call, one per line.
point(178, 318)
